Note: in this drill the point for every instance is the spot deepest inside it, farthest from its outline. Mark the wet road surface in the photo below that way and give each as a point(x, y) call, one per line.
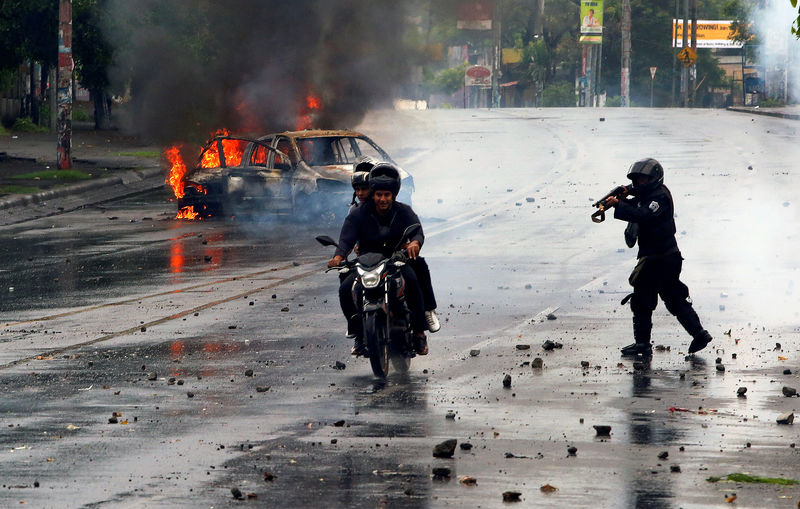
point(122, 314)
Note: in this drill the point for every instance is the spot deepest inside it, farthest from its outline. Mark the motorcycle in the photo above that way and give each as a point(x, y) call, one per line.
point(385, 316)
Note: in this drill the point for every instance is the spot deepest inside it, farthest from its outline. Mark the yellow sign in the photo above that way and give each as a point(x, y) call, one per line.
point(710, 34)
point(688, 56)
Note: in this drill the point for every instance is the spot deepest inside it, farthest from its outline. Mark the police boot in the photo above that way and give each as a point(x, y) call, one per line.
point(634, 349)
point(354, 329)
point(642, 325)
point(700, 341)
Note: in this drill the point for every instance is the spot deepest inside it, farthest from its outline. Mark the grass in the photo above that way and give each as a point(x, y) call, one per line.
point(26, 125)
point(18, 189)
point(141, 153)
point(753, 479)
point(54, 175)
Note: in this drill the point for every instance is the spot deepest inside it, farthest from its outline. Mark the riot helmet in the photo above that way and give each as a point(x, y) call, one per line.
point(648, 167)
point(384, 177)
point(359, 179)
point(364, 163)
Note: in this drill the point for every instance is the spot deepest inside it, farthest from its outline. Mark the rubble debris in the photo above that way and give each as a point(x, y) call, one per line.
point(189, 394)
point(237, 493)
point(465, 446)
point(445, 449)
point(676, 469)
point(537, 363)
point(248, 372)
point(572, 450)
point(441, 473)
point(741, 392)
point(468, 480)
point(523, 347)
point(663, 455)
point(451, 416)
point(474, 352)
point(507, 381)
point(551, 316)
point(530, 199)
point(721, 368)
point(268, 477)
point(285, 309)
point(602, 430)
point(787, 371)
point(789, 392)
point(339, 423)
point(339, 365)
point(730, 498)
point(547, 488)
point(512, 496)
point(152, 376)
point(584, 364)
point(785, 418)
point(551, 345)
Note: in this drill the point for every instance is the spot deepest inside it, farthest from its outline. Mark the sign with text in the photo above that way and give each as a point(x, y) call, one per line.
point(474, 16)
point(591, 22)
point(710, 34)
point(477, 75)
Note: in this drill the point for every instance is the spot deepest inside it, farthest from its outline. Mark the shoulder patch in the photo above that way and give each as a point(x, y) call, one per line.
point(654, 206)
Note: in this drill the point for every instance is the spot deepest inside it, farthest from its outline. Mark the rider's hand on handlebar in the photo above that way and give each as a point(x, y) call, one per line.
point(335, 261)
point(612, 201)
point(412, 249)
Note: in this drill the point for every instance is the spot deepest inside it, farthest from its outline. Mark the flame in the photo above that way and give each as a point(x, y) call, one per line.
point(233, 151)
point(187, 213)
point(313, 104)
point(177, 170)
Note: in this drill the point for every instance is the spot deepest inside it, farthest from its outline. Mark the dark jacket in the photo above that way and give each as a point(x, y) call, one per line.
point(654, 213)
point(374, 234)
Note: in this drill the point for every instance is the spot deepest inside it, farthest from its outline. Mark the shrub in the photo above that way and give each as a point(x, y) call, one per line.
point(559, 95)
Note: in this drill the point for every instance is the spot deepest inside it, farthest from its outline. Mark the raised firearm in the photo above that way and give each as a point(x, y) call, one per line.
point(618, 192)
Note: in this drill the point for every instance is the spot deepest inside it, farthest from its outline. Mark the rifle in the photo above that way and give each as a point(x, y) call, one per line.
point(602, 204)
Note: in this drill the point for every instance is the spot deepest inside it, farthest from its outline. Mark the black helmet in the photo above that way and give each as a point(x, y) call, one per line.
point(359, 179)
point(364, 163)
point(384, 177)
point(650, 168)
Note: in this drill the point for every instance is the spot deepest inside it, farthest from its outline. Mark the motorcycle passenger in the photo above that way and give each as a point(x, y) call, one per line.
point(359, 180)
point(650, 210)
point(377, 226)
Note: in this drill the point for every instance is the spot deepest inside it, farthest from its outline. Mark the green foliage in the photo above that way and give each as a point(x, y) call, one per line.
point(54, 175)
point(26, 125)
point(11, 189)
point(559, 95)
point(796, 23)
point(81, 115)
point(448, 81)
point(613, 101)
point(141, 153)
point(770, 103)
point(746, 478)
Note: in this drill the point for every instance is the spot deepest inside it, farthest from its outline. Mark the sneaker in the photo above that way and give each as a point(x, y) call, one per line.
point(634, 349)
point(700, 341)
point(358, 347)
point(421, 345)
point(433, 320)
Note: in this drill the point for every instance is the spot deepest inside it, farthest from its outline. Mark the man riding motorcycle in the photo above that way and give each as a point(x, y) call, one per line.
point(377, 226)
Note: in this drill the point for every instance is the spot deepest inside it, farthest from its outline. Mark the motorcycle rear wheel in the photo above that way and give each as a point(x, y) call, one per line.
point(377, 340)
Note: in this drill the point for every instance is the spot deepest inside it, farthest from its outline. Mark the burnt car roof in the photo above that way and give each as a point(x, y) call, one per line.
point(317, 133)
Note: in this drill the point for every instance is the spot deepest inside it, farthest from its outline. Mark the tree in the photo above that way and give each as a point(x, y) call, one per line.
point(796, 24)
point(93, 56)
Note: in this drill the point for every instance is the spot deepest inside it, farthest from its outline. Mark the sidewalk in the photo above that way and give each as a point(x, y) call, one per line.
point(791, 112)
point(110, 166)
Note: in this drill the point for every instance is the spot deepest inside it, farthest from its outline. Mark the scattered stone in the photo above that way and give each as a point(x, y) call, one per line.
point(548, 488)
point(190, 394)
point(441, 473)
point(152, 376)
point(551, 316)
point(721, 368)
point(334, 441)
point(171, 381)
point(445, 449)
point(662, 348)
point(523, 347)
point(237, 493)
point(676, 469)
point(179, 382)
point(451, 416)
point(663, 455)
point(787, 371)
point(528, 286)
point(602, 430)
point(248, 372)
point(285, 309)
point(530, 199)
point(602, 119)
point(231, 327)
point(113, 420)
point(207, 258)
point(572, 450)
point(741, 392)
point(466, 446)
point(468, 480)
point(733, 356)
point(537, 363)
point(339, 424)
point(269, 477)
point(507, 381)
point(548, 345)
point(786, 418)
point(339, 365)
point(778, 346)
point(718, 360)
point(789, 392)
point(584, 364)
point(474, 353)
point(143, 329)
point(512, 496)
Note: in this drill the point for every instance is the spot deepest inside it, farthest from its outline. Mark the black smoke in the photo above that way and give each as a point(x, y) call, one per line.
point(193, 66)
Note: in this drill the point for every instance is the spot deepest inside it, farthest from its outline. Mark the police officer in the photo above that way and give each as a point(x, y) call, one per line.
point(649, 211)
point(377, 227)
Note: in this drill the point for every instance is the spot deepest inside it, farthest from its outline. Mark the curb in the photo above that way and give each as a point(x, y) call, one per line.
point(124, 178)
point(754, 111)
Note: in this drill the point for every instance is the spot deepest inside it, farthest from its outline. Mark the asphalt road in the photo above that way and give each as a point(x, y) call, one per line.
point(120, 313)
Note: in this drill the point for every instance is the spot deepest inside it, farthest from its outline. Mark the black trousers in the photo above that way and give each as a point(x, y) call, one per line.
point(656, 276)
point(423, 273)
point(351, 303)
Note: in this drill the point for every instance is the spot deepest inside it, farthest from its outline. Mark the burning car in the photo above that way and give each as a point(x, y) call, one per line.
point(304, 173)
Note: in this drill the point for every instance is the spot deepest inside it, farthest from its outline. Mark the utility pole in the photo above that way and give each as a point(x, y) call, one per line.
point(674, 45)
point(497, 52)
point(693, 69)
point(625, 75)
point(64, 85)
point(684, 70)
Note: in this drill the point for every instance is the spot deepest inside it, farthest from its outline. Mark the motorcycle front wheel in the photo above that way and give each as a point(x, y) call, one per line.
point(377, 339)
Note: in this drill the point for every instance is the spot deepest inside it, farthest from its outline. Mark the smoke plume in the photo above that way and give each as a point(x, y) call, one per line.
point(194, 66)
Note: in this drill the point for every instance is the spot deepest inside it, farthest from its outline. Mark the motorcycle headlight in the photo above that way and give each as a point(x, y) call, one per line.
point(371, 278)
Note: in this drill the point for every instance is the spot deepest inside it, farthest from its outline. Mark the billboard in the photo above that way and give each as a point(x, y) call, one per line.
point(710, 34)
point(474, 16)
point(591, 21)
